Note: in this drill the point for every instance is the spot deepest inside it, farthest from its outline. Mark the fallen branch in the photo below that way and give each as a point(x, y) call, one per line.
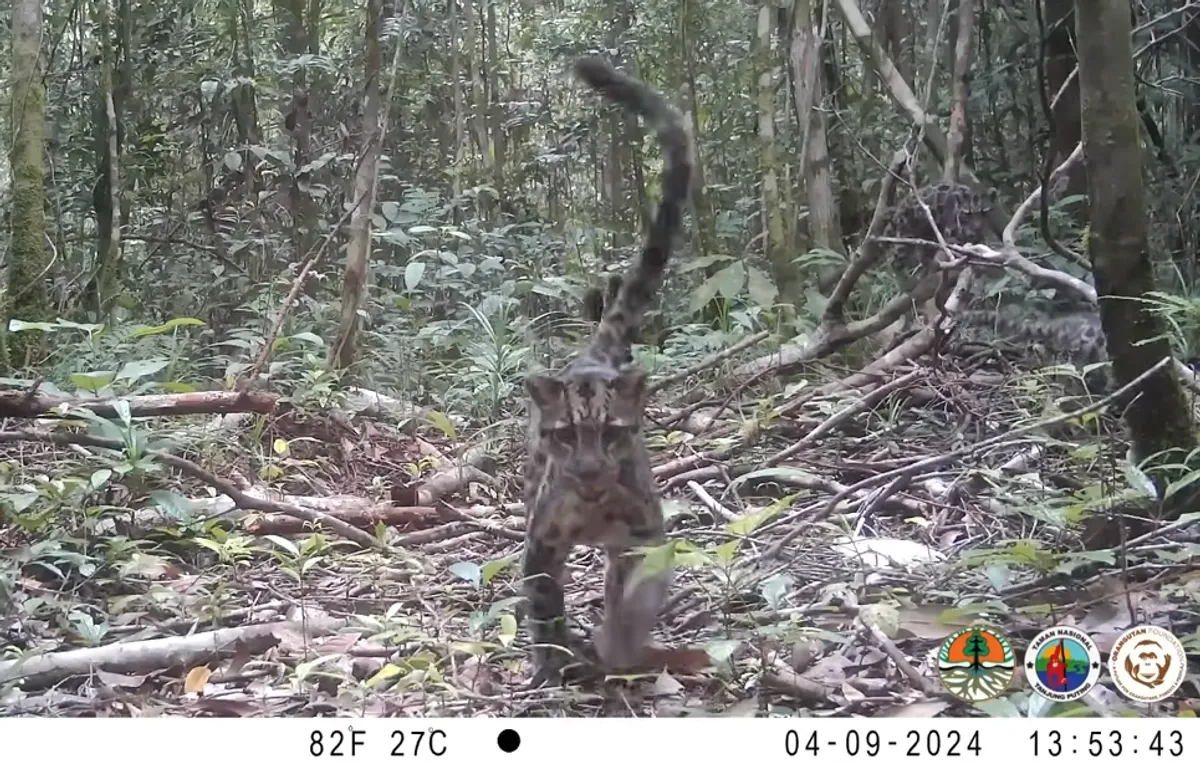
point(22, 405)
point(38, 671)
point(405, 518)
point(240, 498)
point(709, 362)
point(927, 463)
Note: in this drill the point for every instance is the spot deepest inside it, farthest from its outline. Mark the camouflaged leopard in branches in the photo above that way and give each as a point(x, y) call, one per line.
point(960, 213)
point(587, 470)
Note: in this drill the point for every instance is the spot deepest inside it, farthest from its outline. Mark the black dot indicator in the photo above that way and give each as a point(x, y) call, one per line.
point(508, 740)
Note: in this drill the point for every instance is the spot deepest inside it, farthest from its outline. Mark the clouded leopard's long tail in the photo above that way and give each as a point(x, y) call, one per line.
point(610, 344)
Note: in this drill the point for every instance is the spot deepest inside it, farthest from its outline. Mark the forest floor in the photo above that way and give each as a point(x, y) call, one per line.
point(829, 543)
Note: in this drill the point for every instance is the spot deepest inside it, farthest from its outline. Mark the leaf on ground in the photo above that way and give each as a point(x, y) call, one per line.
point(197, 679)
point(683, 661)
point(666, 685)
point(127, 681)
point(339, 643)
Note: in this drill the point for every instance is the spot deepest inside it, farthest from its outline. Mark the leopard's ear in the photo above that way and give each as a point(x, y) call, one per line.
point(614, 287)
point(544, 390)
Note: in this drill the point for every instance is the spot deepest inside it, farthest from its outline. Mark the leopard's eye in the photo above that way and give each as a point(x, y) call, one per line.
point(615, 431)
point(559, 434)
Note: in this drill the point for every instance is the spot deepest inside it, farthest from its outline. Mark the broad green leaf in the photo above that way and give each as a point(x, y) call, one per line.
point(309, 337)
point(92, 381)
point(730, 279)
point(135, 370)
point(467, 571)
point(420, 229)
point(100, 477)
point(747, 523)
point(285, 544)
point(762, 289)
point(413, 273)
point(725, 552)
point(702, 295)
point(233, 160)
point(701, 262)
point(442, 422)
point(493, 567)
point(390, 210)
point(123, 413)
point(382, 675)
point(177, 507)
point(508, 629)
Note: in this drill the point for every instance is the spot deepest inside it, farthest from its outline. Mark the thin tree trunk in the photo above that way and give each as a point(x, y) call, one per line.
point(702, 217)
point(495, 109)
point(344, 349)
point(478, 98)
point(460, 148)
point(295, 39)
point(961, 91)
point(824, 226)
point(1060, 64)
point(774, 244)
point(107, 196)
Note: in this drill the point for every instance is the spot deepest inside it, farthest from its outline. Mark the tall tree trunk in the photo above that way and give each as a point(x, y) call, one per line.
point(344, 349)
point(774, 243)
point(956, 140)
point(824, 226)
point(1158, 417)
point(478, 97)
point(1060, 64)
point(495, 108)
point(460, 138)
point(702, 217)
point(296, 38)
point(28, 259)
point(106, 195)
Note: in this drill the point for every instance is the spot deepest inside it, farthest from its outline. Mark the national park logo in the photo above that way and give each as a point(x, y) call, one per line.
point(1062, 664)
point(1147, 664)
point(976, 664)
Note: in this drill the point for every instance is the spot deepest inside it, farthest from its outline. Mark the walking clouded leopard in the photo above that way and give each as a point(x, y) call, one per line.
point(587, 471)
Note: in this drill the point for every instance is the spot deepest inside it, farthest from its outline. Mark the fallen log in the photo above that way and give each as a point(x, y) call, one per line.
point(23, 404)
point(404, 518)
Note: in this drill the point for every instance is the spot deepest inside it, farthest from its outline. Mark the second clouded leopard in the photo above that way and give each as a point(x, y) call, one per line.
point(587, 470)
point(1074, 337)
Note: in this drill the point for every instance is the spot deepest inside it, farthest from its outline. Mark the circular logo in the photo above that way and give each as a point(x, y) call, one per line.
point(1147, 664)
point(1062, 663)
point(976, 663)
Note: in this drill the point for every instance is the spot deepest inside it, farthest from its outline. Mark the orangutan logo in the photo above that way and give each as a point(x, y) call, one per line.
point(1147, 664)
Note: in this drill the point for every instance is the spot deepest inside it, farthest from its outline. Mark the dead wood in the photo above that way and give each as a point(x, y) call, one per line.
point(405, 518)
point(39, 671)
point(240, 498)
point(25, 405)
